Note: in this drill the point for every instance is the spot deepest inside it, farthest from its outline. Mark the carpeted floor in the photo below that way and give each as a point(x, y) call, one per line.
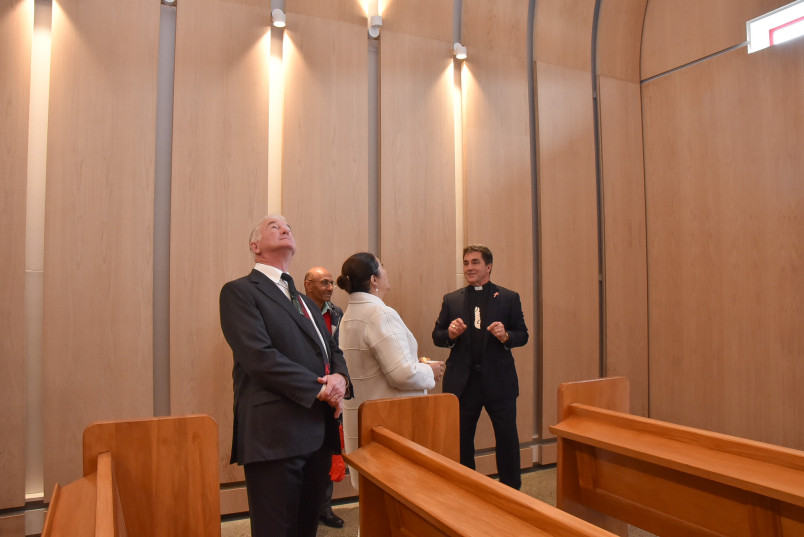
point(541, 484)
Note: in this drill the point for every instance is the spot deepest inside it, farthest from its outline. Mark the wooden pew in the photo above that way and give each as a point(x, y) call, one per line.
point(407, 489)
point(87, 506)
point(150, 477)
point(669, 479)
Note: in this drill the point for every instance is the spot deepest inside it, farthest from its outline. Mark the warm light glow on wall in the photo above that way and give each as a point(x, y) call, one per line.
point(778, 26)
point(460, 205)
point(276, 109)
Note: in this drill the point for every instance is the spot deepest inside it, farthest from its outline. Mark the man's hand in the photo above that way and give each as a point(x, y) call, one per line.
point(332, 391)
point(498, 330)
point(456, 328)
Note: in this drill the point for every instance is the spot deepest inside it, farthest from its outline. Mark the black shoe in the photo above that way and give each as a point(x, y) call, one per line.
point(332, 520)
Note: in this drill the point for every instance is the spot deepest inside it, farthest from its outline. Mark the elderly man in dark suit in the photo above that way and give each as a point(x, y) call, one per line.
point(318, 286)
point(289, 382)
point(480, 324)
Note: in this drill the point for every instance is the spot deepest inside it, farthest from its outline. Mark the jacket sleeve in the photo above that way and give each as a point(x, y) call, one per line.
point(516, 328)
point(387, 337)
point(441, 329)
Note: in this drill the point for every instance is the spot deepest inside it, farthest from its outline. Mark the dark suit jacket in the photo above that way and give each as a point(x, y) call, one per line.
point(499, 372)
point(277, 360)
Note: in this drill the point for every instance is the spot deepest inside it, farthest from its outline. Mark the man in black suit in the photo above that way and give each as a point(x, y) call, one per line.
point(289, 382)
point(480, 324)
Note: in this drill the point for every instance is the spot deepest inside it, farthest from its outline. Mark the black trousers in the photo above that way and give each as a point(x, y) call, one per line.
point(326, 505)
point(503, 418)
point(285, 496)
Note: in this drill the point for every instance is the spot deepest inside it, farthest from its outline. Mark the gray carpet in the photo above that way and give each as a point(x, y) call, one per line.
point(541, 484)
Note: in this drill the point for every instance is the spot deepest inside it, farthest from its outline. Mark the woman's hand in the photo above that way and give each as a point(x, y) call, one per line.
point(438, 369)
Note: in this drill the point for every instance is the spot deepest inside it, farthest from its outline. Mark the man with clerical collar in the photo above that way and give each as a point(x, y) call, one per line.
point(480, 324)
point(290, 380)
point(318, 285)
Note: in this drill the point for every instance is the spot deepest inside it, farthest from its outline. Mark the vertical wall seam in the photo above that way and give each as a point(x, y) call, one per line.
point(163, 163)
point(538, 366)
point(459, 115)
point(374, 141)
point(601, 234)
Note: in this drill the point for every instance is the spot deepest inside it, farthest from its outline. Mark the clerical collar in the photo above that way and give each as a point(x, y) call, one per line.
point(478, 287)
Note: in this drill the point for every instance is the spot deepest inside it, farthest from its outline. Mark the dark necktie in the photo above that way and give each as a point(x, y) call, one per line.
point(294, 295)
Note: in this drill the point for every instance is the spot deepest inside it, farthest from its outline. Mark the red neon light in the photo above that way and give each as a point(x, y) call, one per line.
point(785, 25)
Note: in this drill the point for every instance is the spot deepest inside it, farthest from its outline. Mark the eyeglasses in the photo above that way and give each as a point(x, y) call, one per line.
point(324, 283)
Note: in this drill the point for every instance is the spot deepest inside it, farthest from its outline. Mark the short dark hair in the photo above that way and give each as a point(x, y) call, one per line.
point(357, 271)
point(488, 258)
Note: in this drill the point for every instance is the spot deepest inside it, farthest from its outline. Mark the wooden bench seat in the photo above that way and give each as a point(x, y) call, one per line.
point(670, 479)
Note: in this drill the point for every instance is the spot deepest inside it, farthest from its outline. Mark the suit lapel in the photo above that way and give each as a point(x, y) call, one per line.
point(272, 291)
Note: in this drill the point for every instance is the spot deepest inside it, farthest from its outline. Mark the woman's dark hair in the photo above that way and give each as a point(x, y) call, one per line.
point(357, 271)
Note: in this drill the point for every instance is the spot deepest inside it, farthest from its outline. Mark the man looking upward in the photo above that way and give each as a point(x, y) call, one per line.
point(290, 379)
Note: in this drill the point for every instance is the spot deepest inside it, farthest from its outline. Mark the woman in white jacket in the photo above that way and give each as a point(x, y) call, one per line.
point(380, 351)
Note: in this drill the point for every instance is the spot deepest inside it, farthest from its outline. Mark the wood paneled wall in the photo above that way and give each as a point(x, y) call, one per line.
point(98, 316)
point(219, 192)
point(567, 210)
point(497, 168)
point(417, 162)
point(723, 169)
point(16, 27)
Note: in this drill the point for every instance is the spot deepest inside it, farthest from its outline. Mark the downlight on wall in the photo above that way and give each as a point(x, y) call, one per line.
point(374, 18)
point(778, 26)
point(278, 18)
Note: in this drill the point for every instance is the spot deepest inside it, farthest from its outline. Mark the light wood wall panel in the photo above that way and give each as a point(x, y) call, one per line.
point(98, 313)
point(619, 34)
point(723, 168)
point(16, 26)
point(619, 39)
point(12, 526)
point(497, 168)
point(431, 19)
point(325, 163)
point(567, 201)
point(681, 31)
point(351, 11)
point(219, 191)
point(417, 166)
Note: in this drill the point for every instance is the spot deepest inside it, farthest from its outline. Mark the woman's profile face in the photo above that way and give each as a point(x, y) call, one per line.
point(381, 282)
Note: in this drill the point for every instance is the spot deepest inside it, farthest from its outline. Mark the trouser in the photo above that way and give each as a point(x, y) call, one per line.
point(503, 418)
point(285, 496)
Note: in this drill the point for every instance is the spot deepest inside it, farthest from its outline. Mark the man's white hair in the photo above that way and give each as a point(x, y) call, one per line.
point(256, 233)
